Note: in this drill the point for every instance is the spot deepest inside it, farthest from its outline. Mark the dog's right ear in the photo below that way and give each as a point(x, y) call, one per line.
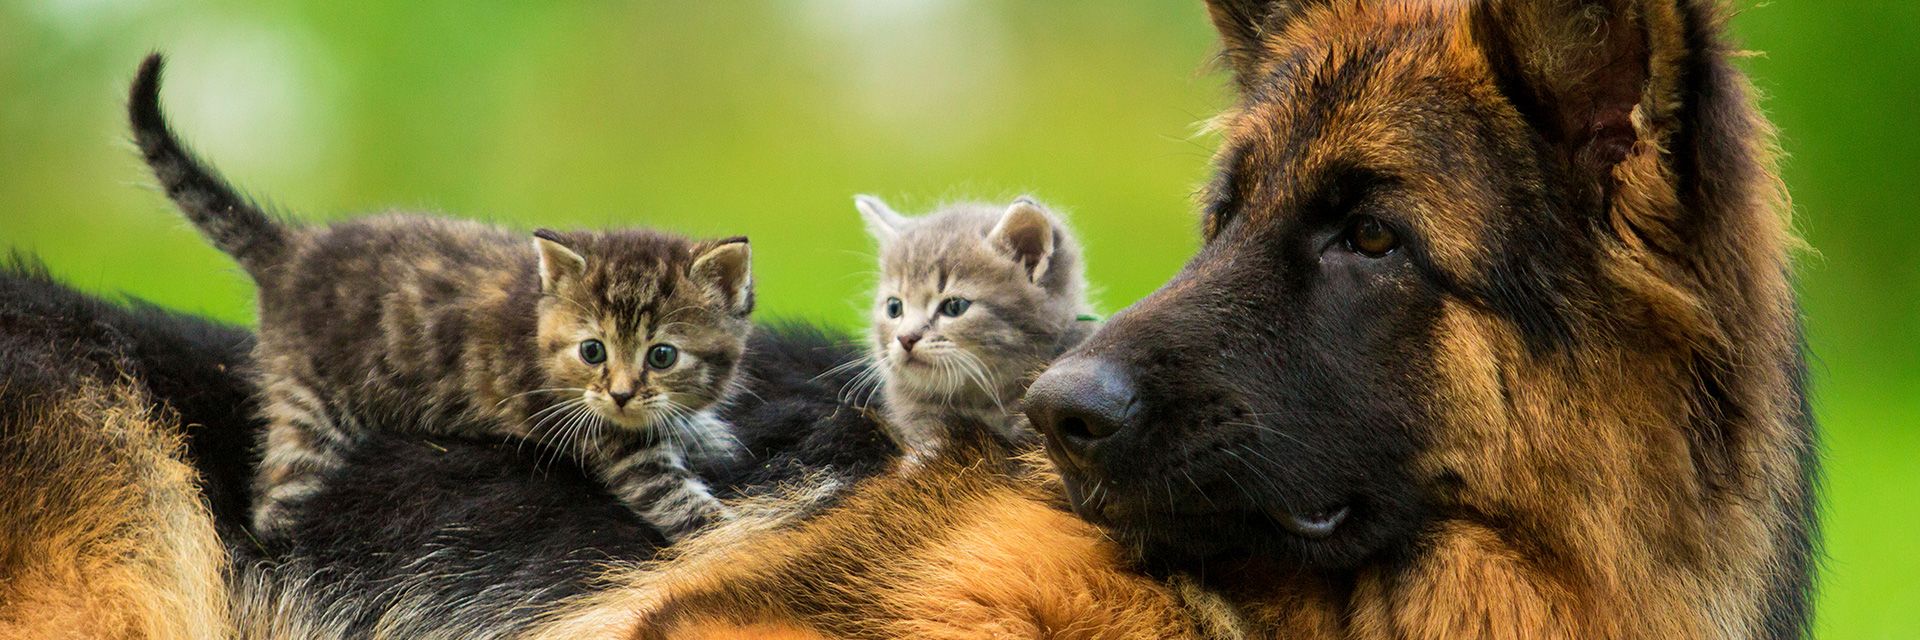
point(882, 222)
point(1244, 27)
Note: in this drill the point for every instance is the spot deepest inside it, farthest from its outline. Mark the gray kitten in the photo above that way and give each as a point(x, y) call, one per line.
point(973, 301)
point(617, 346)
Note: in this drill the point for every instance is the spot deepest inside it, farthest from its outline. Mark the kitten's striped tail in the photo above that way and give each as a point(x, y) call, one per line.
point(234, 224)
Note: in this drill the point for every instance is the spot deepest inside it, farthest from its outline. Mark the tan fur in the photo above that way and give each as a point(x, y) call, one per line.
point(955, 548)
point(103, 533)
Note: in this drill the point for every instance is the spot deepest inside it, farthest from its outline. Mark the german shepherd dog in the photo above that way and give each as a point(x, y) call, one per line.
point(1491, 335)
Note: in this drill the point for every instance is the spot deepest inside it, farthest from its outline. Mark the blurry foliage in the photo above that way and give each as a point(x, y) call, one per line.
point(764, 118)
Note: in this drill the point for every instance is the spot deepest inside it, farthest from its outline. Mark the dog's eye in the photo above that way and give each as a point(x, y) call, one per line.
point(593, 352)
point(1370, 237)
point(894, 307)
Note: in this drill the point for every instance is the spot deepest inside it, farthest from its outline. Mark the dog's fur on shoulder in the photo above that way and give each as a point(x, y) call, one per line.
point(972, 543)
point(104, 529)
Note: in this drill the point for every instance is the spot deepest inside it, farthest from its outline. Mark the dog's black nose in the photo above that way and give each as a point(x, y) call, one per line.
point(1080, 401)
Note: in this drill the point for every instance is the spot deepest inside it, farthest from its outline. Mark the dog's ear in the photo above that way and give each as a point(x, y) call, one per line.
point(1595, 77)
point(1244, 26)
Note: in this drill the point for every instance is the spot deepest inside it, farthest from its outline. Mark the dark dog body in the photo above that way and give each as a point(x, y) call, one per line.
point(447, 537)
point(104, 528)
point(426, 536)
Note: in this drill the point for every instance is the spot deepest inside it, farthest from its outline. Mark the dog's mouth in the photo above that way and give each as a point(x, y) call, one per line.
point(1194, 525)
point(1318, 524)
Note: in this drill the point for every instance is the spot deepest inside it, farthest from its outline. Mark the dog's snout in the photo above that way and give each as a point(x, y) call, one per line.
point(1080, 401)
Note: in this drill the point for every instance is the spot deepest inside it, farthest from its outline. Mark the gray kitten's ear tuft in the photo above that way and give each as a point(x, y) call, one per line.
point(882, 221)
point(726, 268)
point(559, 264)
point(1025, 233)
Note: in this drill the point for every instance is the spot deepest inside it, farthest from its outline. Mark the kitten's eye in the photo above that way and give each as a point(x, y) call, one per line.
point(953, 307)
point(592, 352)
point(894, 307)
point(662, 356)
point(1370, 237)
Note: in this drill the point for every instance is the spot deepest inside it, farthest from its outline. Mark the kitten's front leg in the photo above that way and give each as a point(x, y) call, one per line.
point(301, 446)
point(654, 481)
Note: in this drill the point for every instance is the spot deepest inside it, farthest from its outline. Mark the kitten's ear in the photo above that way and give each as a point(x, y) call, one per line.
point(882, 221)
point(726, 267)
point(1025, 232)
point(559, 264)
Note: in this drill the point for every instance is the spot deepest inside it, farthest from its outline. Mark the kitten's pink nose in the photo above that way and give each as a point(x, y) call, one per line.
point(907, 340)
point(620, 398)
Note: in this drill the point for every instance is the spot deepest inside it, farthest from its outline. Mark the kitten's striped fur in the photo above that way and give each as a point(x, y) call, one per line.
point(446, 326)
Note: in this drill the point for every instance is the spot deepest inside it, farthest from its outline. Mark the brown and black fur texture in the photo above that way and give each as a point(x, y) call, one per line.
point(973, 300)
point(459, 328)
point(1491, 335)
point(416, 536)
point(973, 543)
point(105, 528)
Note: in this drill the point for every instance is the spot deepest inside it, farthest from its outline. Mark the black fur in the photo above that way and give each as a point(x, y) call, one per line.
point(52, 335)
point(504, 530)
point(487, 532)
point(789, 417)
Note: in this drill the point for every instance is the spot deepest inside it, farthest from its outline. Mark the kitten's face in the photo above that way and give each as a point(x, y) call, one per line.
point(644, 327)
point(965, 301)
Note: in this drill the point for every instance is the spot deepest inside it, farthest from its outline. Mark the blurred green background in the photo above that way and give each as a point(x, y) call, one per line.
point(764, 118)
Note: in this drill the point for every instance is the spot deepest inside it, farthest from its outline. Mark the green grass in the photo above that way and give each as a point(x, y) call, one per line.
point(764, 118)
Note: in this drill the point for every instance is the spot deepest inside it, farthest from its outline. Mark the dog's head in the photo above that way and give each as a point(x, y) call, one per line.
point(1448, 247)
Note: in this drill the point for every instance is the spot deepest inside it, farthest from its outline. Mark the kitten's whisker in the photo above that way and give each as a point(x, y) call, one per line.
point(596, 425)
point(528, 393)
point(535, 417)
point(666, 319)
point(977, 370)
point(871, 376)
point(539, 421)
point(590, 313)
point(850, 364)
point(565, 442)
point(704, 437)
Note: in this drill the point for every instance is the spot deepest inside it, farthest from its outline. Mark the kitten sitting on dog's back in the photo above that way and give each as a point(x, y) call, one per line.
point(973, 301)
point(614, 347)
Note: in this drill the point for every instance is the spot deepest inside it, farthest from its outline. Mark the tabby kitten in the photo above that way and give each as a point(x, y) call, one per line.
point(973, 300)
point(615, 346)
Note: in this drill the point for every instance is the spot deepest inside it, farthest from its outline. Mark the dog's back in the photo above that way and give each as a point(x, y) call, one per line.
point(104, 530)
